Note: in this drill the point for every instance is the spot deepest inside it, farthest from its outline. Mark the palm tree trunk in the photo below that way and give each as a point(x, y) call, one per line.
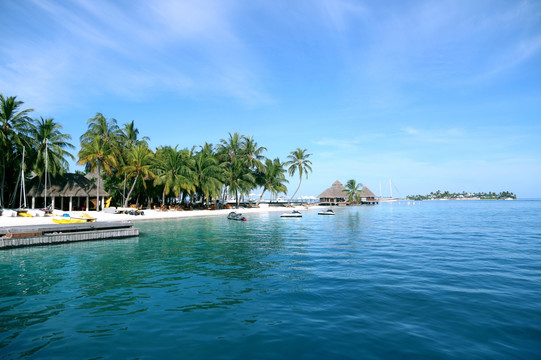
point(261, 197)
point(3, 182)
point(129, 193)
point(298, 187)
point(163, 197)
point(98, 189)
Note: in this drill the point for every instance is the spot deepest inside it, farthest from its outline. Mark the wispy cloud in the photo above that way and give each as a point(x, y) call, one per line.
point(131, 51)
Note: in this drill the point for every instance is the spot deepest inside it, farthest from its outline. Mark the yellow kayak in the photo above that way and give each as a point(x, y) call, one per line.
point(68, 220)
point(24, 214)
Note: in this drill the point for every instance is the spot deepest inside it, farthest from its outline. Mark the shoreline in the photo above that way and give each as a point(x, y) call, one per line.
point(150, 215)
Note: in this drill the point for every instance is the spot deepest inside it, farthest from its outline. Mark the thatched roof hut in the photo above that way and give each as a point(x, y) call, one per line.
point(73, 186)
point(67, 185)
point(366, 193)
point(334, 194)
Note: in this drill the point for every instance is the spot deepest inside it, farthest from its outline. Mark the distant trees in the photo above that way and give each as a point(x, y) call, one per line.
point(464, 195)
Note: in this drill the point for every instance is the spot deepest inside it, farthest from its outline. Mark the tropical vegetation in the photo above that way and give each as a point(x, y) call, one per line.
point(298, 162)
point(353, 191)
point(438, 195)
point(122, 163)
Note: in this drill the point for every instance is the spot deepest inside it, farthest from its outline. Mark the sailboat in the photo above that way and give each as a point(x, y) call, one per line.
point(48, 210)
point(22, 210)
point(389, 199)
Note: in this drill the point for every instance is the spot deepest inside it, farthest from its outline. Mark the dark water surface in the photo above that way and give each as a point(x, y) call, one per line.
point(439, 280)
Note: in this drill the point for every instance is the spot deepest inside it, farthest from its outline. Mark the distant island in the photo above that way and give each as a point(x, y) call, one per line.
point(446, 195)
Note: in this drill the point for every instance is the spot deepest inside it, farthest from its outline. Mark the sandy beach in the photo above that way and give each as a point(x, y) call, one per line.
point(149, 215)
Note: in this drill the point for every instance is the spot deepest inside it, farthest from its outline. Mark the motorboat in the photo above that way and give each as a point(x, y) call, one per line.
point(233, 215)
point(326, 212)
point(294, 213)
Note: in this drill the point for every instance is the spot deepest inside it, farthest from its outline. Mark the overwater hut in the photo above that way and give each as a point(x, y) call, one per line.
point(334, 195)
point(66, 192)
point(367, 196)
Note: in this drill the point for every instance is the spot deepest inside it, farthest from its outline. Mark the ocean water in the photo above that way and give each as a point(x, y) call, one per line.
point(434, 280)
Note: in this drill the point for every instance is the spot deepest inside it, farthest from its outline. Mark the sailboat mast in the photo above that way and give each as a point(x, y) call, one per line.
point(391, 188)
point(46, 161)
point(23, 190)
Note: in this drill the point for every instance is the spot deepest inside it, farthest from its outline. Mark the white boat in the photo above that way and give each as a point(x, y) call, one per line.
point(326, 212)
point(294, 213)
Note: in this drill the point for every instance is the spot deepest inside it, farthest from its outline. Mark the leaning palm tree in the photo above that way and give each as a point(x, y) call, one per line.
point(352, 190)
point(15, 124)
point(272, 178)
point(298, 161)
point(139, 166)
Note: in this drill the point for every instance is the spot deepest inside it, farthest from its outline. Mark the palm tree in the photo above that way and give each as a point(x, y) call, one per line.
point(15, 124)
point(298, 161)
point(51, 145)
point(95, 155)
point(272, 178)
point(139, 165)
point(100, 147)
point(208, 173)
point(237, 174)
point(106, 128)
point(130, 135)
point(352, 190)
point(173, 172)
point(253, 153)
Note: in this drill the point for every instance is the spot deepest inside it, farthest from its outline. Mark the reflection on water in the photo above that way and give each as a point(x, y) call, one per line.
point(371, 282)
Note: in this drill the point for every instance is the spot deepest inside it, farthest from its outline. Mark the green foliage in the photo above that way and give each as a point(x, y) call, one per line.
point(128, 168)
point(464, 196)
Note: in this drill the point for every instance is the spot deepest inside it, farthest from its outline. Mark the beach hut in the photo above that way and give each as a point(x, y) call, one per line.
point(333, 195)
point(66, 192)
point(367, 196)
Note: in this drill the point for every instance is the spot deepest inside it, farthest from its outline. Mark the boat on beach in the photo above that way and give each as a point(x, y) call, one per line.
point(233, 215)
point(67, 219)
point(293, 214)
point(326, 212)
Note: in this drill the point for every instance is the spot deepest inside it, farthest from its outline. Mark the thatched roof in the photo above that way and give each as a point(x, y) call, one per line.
point(367, 193)
point(66, 185)
point(336, 191)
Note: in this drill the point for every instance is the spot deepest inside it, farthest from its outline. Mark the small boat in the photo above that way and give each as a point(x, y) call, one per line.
point(233, 215)
point(66, 219)
point(23, 213)
point(326, 212)
point(294, 213)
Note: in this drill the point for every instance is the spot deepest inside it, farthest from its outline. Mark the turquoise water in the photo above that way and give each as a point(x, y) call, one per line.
point(439, 280)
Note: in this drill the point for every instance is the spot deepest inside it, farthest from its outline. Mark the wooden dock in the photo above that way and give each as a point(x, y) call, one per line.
point(17, 236)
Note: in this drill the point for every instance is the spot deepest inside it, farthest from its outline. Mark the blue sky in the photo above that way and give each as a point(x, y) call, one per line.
point(431, 94)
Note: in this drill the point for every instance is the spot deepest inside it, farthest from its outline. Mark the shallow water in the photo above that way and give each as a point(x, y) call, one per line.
point(441, 279)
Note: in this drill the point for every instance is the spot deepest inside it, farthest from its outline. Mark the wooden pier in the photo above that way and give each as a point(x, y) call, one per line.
point(17, 236)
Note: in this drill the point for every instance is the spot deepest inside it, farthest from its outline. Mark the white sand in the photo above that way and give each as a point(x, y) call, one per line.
point(9, 221)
